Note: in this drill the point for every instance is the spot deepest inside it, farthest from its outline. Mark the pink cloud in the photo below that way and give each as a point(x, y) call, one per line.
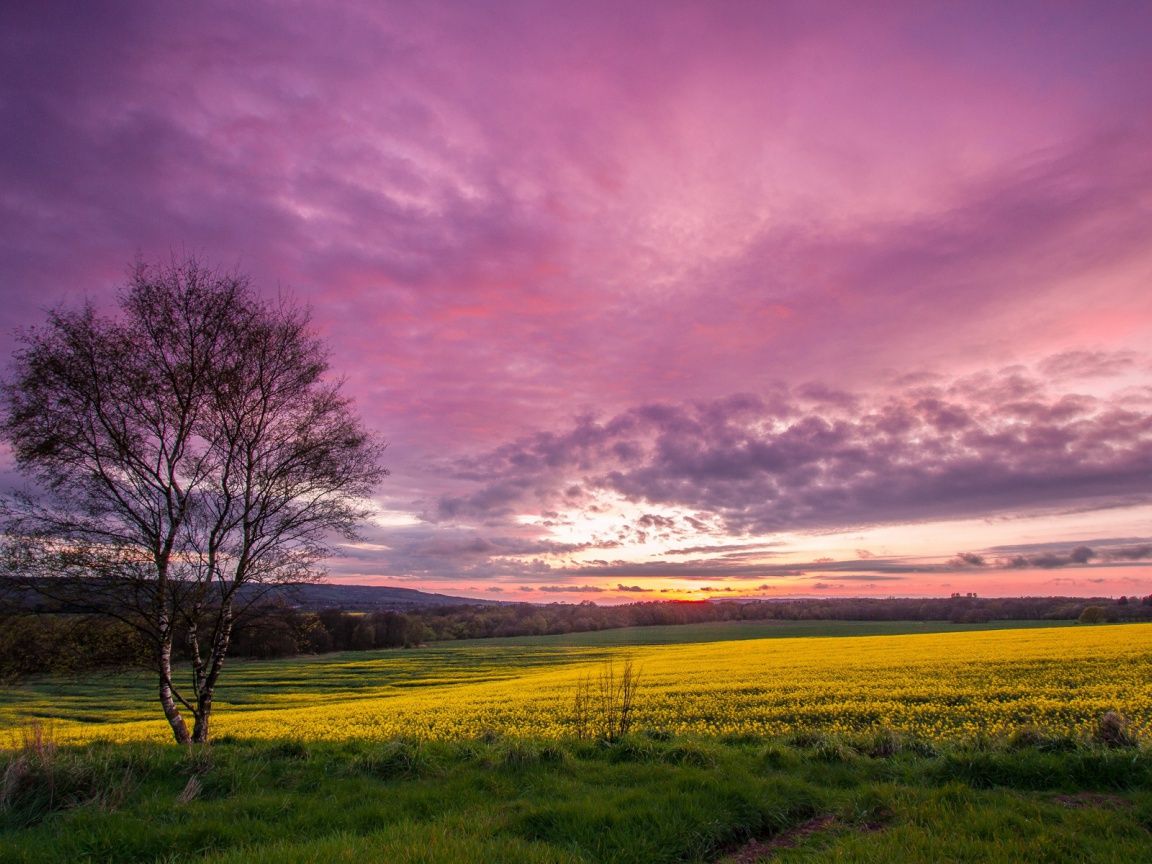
point(510, 214)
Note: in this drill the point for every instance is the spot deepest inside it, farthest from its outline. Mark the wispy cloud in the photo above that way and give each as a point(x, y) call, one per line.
point(801, 267)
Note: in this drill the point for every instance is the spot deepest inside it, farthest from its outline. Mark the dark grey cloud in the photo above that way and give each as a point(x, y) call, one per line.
point(981, 445)
point(967, 559)
point(762, 549)
point(1078, 556)
point(436, 552)
point(862, 577)
point(714, 570)
point(1129, 553)
point(439, 552)
point(1052, 555)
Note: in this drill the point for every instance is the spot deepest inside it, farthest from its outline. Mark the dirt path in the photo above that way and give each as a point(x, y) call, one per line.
point(757, 850)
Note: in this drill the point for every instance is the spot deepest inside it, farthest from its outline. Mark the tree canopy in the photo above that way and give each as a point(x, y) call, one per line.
point(184, 447)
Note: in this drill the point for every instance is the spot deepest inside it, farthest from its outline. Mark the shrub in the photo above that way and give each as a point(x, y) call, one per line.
point(1093, 615)
point(1112, 731)
point(602, 706)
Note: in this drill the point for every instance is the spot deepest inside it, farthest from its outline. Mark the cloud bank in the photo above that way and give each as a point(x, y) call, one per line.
point(968, 447)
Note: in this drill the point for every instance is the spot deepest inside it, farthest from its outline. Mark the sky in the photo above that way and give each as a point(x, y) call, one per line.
point(652, 299)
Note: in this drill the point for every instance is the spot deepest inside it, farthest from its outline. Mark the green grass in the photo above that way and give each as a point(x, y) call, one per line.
point(725, 631)
point(652, 797)
point(306, 680)
point(639, 800)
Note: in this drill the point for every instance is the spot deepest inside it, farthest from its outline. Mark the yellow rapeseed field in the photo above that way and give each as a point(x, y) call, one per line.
point(944, 685)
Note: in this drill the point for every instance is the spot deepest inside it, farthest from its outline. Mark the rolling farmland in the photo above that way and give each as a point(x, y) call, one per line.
point(939, 686)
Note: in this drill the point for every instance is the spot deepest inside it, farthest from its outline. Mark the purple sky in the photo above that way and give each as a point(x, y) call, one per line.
point(651, 299)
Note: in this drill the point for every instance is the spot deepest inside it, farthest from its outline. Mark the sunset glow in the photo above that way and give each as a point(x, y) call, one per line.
point(656, 300)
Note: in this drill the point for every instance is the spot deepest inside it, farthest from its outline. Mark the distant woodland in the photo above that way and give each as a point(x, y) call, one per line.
point(45, 640)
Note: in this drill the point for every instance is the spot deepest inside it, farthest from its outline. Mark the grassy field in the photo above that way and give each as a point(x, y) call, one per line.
point(844, 744)
point(633, 802)
point(726, 631)
point(934, 685)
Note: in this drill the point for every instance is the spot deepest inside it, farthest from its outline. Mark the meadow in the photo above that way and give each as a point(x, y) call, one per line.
point(937, 686)
point(862, 743)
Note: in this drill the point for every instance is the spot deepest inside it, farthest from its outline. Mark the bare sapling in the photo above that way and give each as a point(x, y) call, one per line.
point(603, 705)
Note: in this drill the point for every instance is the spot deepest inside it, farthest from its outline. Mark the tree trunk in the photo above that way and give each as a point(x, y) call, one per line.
point(167, 699)
point(203, 716)
point(207, 691)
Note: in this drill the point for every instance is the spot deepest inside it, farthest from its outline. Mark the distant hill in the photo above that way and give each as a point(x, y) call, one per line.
point(369, 598)
point(310, 597)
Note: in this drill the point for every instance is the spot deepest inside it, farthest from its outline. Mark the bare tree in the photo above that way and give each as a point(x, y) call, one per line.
point(603, 706)
point(190, 452)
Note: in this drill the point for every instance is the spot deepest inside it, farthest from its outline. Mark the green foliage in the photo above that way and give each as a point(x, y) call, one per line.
point(394, 759)
point(1086, 768)
point(691, 754)
point(884, 744)
point(39, 780)
point(1030, 737)
point(729, 630)
point(637, 800)
point(1093, 615)
point(61, 643)
point(64, 644)
point(290, 749)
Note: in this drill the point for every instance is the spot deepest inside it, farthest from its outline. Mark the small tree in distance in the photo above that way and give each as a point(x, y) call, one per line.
point(190, 452)
point(1096, 615)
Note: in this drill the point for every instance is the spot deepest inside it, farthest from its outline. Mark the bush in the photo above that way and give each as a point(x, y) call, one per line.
point(1112, 731)
point(602, 706)
point(1096, 615)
